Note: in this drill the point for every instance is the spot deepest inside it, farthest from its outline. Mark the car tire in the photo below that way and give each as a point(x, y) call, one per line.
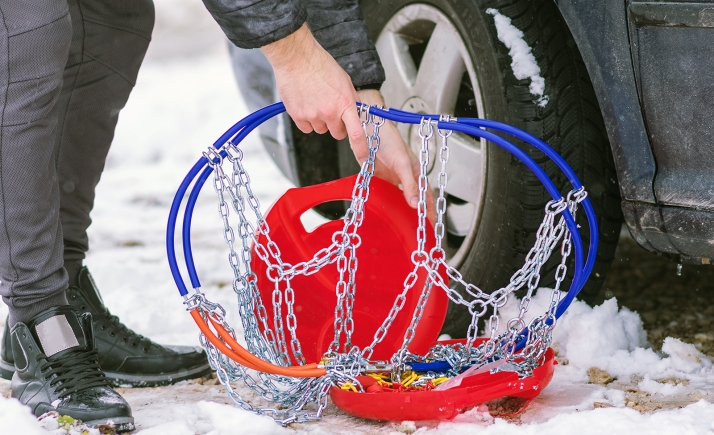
point(571, 123)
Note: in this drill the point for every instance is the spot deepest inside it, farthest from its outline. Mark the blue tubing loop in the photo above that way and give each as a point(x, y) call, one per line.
point(193, 197)
point(268, 111)
point(171, 225)
point(471, 126)
point(187, 219)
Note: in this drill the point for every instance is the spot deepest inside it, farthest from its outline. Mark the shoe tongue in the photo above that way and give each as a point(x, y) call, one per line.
point(89, 291)
point(58, 330)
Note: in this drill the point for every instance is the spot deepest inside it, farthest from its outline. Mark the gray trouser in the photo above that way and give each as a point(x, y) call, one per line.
point(66, 70)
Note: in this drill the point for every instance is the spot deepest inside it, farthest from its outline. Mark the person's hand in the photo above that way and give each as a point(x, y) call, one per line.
point(317, 93)
point(319, 96)
point(396, 162)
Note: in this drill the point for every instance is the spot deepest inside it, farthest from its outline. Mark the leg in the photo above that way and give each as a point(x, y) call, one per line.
point(110, 40)
point(30, 82)
point(47, 334)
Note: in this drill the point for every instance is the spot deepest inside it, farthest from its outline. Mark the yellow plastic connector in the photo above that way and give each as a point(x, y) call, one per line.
point(347, 386)
point(440, 380)
point(408, 378)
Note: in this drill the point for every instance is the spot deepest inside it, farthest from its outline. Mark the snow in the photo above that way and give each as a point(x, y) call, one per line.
point(694, 419)
point(181, 103)
point(217, 419)
point(17, 419)
point(523, 63)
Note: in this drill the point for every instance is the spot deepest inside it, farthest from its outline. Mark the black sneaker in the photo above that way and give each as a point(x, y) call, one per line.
point(127, 358)
point(7, 362)
point(57, 370)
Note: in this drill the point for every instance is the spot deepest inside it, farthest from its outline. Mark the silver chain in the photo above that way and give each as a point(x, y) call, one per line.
point(343, 360)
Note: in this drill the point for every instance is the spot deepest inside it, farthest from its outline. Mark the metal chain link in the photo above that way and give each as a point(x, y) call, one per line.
point(344, 361)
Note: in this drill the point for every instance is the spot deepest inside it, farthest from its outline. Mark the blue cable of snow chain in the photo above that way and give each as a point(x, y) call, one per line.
point(171, 225)
point(471, 126)
point(464, 129)
point(176, 203)
point(193, 197)
point(414, 118)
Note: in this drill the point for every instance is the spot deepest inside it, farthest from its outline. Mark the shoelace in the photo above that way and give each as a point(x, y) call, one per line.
point(108, 320)
point(125, 332)
point(75, 371)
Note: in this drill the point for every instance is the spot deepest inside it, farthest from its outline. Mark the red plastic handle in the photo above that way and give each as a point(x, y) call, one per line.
point(297, 201)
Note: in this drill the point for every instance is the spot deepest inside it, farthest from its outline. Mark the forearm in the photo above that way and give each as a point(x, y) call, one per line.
point(292, 50)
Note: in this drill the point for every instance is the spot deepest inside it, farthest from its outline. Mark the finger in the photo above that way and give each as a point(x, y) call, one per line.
point(430, 207)
point(337, 129)
point(319, 127)
point(303, 126)
point(410, 185)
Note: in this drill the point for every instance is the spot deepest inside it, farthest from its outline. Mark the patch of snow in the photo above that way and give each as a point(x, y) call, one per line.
point(693, 419)
point(684, 356)
point(173, 428)
point(17, 419)
point(653, 387)
point(407, 427)
point(612, 339)
point(523, 63)
point(615, 397)
point(227, 418)
point(217, 419)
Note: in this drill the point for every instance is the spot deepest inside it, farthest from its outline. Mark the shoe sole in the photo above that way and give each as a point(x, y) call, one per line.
point(6, 369)
point(138, 381)
point(121, 424)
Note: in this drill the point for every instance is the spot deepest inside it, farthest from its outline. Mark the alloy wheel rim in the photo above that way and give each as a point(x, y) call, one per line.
point(428, 70)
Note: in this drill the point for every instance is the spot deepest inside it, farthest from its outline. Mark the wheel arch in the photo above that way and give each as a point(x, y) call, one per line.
point(600, 31)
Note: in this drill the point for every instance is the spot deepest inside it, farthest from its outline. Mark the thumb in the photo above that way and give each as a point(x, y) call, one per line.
point(408, 179)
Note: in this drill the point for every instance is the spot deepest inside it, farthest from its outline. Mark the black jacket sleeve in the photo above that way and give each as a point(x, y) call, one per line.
point(338, 25)
point(255, 23)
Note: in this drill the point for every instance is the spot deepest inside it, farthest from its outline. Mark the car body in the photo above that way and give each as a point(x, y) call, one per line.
point(652, 67)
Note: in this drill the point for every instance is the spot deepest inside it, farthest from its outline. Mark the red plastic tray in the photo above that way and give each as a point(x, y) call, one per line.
point(447, 404)
point(388, 237)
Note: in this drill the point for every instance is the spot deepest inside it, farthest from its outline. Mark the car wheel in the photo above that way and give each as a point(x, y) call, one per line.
point(444, 56)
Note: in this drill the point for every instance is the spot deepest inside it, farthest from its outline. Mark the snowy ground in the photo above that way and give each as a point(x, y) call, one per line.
point(184, 99)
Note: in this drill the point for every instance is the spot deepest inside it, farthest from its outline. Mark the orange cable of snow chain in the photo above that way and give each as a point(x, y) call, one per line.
point(307, 371)
point(225, 335)
point(240, 355)
point(218, 343)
